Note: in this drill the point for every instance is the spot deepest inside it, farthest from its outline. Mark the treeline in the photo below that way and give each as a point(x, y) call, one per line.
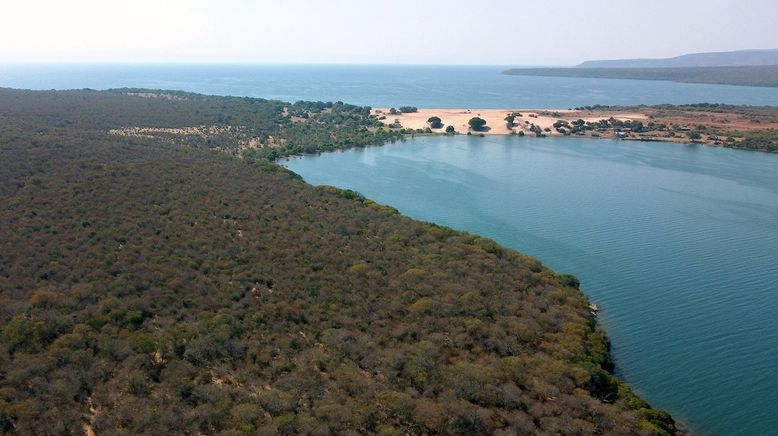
point(280, 129)
point(148, 288)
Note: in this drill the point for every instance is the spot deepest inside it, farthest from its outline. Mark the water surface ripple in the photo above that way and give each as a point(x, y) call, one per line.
point(677, 243)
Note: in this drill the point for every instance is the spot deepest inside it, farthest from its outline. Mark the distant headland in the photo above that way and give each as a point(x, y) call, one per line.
point(744, 68)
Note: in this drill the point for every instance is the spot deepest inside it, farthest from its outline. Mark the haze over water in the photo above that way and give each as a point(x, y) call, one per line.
point(678, 244)
point(382, 86)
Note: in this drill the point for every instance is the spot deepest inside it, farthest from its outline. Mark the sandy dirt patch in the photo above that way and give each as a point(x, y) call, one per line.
point(495, 118)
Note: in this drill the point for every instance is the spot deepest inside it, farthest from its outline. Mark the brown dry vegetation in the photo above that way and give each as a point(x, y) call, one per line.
point(151, 287)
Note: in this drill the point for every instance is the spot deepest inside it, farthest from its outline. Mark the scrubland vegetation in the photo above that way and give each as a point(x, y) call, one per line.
point(734, 126)
point(179, 282)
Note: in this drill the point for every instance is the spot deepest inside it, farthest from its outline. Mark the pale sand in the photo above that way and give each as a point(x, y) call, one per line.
point(495, 118)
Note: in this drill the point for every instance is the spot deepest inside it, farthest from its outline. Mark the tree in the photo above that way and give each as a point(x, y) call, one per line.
point(435, 123)
point(569, 280)
point(476, 123)
point(408, 109)
point(286, 313)
point(450, 130)
point(694, 136)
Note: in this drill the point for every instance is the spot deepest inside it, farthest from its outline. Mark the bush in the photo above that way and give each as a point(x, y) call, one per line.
point(569, 280)
point(435, 122)
point(408, 109)
point(476, 123)
point(450, 129)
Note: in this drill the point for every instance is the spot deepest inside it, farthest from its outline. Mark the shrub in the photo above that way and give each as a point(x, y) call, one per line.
point(435, 122)
point(476, 123)
point(569, 280)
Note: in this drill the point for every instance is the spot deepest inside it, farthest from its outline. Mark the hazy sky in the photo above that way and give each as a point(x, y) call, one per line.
point(395, 31)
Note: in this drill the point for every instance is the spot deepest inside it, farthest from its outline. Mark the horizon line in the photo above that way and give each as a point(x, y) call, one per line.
point(239, 63)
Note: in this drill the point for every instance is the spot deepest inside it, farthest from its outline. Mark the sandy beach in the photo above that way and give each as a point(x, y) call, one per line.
point(656, 124)
point(495, 118)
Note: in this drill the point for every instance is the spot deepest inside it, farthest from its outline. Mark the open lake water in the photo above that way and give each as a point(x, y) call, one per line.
point(678, 244)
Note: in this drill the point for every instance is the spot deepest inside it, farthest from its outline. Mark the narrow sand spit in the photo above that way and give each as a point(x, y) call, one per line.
point(495, 118)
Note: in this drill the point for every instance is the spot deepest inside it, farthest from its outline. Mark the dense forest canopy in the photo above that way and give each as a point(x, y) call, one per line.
point(159, 273)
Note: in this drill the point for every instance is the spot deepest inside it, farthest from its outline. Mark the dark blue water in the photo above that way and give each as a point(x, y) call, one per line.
point(378, 86)
point(677, 243)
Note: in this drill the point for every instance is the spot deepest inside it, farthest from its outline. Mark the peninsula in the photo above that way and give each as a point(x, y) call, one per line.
point(711, 124)
point(161, 274)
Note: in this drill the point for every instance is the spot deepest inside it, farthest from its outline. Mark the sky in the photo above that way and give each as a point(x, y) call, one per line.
point(501, 32)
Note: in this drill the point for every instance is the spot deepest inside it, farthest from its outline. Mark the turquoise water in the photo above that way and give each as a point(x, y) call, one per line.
point(422, 86)
point(677, 243)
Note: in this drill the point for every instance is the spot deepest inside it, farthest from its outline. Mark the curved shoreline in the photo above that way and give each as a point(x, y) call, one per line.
point(716, 128)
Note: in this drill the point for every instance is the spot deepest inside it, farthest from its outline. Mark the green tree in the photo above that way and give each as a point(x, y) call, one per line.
point(435, 122)
point(478, 124)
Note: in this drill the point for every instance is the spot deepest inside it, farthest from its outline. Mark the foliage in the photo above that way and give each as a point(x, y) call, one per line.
point(478, 124)
point(435, 122)
point(766, 140)
point(152, 287)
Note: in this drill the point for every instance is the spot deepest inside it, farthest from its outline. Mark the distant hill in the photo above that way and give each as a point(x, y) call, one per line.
point(713, 59)
point(744, 68)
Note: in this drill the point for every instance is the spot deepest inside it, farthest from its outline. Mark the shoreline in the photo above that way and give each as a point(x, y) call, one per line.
point(650, 124)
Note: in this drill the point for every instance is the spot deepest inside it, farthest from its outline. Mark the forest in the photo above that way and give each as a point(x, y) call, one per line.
point(159, 273)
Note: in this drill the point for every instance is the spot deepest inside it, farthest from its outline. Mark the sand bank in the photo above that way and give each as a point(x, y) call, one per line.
point(495, 119)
